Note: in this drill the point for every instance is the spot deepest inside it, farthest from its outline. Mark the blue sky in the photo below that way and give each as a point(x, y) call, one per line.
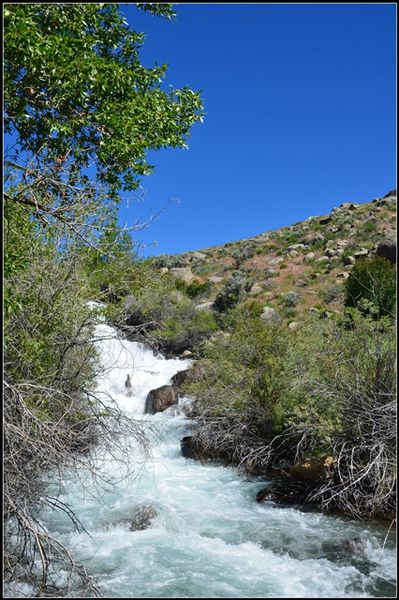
point(300, 116)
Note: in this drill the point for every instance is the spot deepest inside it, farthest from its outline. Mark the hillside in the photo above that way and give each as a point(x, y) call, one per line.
point(295, 270)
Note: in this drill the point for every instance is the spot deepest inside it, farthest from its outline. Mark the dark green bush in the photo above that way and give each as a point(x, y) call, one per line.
point(196, 288)
point(371, 287)
point(233, 291)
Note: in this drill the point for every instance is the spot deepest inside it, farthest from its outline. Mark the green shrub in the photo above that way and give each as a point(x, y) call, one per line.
point(196, 288)
point(233, 291)
point(371, 286)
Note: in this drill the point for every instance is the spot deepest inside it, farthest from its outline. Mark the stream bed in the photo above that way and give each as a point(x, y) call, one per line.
point(208, 537)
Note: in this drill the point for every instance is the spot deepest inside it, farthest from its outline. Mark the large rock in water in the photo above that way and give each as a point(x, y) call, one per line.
point(189, 447)
point(192, 375)
point(160, 399)
point(143, 517)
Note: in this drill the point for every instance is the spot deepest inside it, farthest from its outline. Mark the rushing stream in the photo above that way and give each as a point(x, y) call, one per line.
point(209, 537)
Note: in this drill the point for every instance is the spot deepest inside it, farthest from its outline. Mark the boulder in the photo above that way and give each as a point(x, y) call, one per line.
point(322, 259)
point(324, 220)
point(265, 494)
point(142, 517)
point(189, 447)
point(270, 314)
point(361, 252)
point(204, 306)
point(297, 247)
point(387, 249)
point(329, 252)
point(313, 237)
point(198, 256)
point(349, 260)
point(342, 275)
point(183, 273)
point(354, 546)
point(192, 375)
point(294, 325)
point(301, 283)
point(161, 398)
point(216, 279)
point(313, 469)
point(163, 270)
point(255, 289)
point(276, 261)
point(308, 257)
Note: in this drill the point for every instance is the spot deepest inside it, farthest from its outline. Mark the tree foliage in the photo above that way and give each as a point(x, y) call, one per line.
point(75, 87)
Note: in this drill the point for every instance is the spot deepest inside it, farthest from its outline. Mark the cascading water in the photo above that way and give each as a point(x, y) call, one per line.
point(208, 537)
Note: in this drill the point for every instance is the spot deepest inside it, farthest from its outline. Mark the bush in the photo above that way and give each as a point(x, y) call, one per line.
point(343, 403)
point(233, 292)
point(290, 299)
point(372, 280)
point(196, 288)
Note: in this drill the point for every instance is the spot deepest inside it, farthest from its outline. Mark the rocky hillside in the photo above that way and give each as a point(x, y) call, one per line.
point(293, 271)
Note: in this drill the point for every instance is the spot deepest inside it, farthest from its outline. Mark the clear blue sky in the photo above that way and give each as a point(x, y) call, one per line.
point(300, 116)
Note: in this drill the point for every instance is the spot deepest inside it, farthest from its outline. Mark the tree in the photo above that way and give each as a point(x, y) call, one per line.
point(75, 88)
point(83, 111)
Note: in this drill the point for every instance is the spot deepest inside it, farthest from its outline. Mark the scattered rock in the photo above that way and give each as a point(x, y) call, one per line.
point(294, 325)
point(349, 260)
point(349, 205)
point(270, 314)
point(329, 252)
point(198, 256)
point(342, 275)
point(293, 253)
point(276, 261)
point(297, 247)
point(255, 289)
point(314, 237)
point(325, 219)
point(183, 273)
point(301, 283)
point(163, 270)
point(187, 354)
point(322, 259)
point(216, 279)
point(160, 399)
point(204, 306)
point(309, 256)
point(361, 252)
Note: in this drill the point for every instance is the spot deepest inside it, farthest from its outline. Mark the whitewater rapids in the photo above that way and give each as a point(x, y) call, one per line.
point(210, 538)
